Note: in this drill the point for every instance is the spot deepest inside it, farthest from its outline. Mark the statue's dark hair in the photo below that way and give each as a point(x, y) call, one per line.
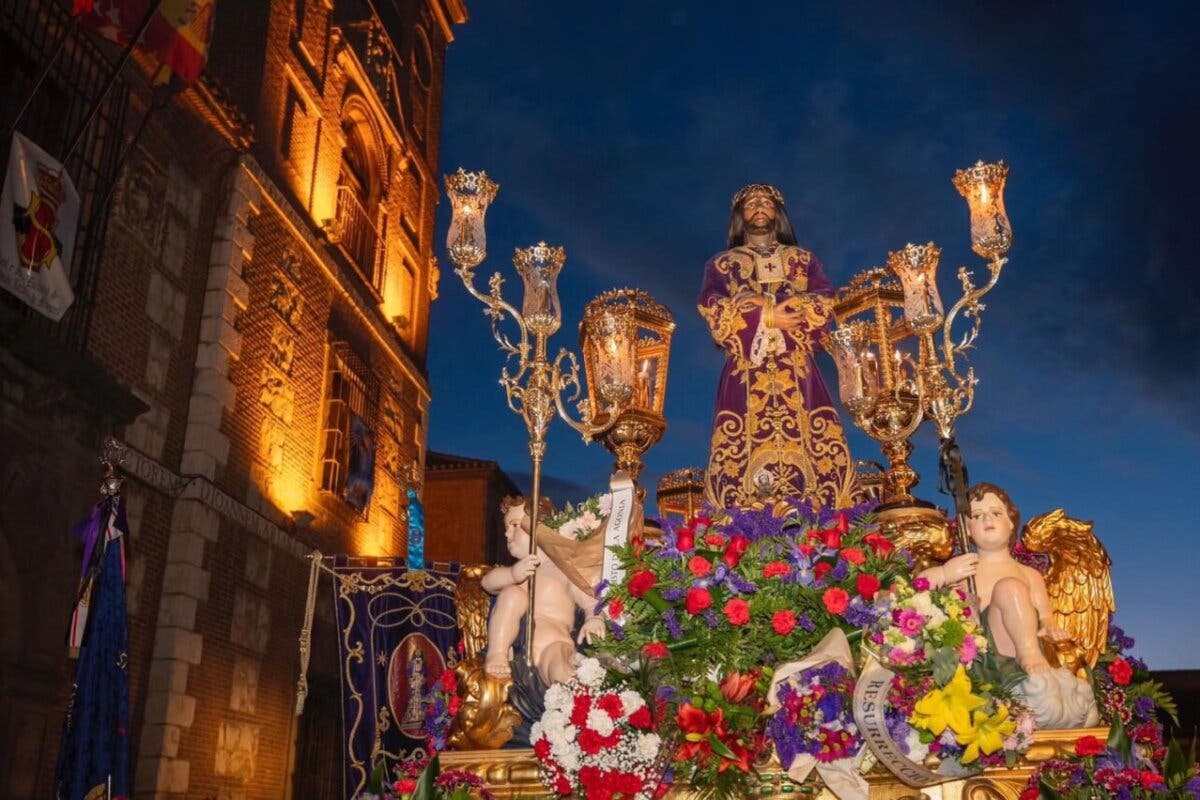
point(978, 491)
point(737, 226)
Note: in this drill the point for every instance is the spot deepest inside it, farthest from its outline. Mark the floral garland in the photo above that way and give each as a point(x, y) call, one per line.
point(596, 738)
point(581, 519)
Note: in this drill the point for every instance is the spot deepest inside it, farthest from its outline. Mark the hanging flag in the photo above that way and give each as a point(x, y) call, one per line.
point(93, 756)
point(39, 212)
point(177, 35)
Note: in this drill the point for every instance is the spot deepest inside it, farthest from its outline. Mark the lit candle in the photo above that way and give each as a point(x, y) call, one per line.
point(643, 385)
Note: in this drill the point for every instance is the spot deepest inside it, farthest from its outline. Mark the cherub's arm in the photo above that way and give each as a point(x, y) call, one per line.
point(956, 569)
point(499, 578)
point(593, 623)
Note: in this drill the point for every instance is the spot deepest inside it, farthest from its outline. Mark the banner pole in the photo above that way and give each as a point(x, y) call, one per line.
point(112, 79)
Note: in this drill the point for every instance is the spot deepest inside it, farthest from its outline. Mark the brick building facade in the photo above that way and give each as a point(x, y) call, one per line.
point(462, 504)
point(255, 290)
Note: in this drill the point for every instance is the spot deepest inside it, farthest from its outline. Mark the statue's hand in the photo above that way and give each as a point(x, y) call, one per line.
point(960, 568)
point(524, 568)
point(1055, 633)
point(790, 314)
point(592, 630)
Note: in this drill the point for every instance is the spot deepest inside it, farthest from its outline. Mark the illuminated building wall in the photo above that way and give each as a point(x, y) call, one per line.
point(257, 292)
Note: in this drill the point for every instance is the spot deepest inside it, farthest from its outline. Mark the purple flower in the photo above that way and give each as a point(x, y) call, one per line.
point(839, 572)
point(601, 586)
point(1143, 708)
point(1192, 787)
point(803, 620)
point(740, 585)
point(711, 619)
point(618, 630)
point(666, 693)
point(860, 614)
point(1118, 639)
point(673, 594)
point(672, 622)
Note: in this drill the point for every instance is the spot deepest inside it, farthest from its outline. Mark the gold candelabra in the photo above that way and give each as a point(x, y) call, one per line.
point(894, 372)
point(534, 384)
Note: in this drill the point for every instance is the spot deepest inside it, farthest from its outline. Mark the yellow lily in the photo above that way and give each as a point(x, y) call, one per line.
point(988, 734)
point(949, 706)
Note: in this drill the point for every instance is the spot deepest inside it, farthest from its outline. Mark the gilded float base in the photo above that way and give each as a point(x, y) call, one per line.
point(513, 774)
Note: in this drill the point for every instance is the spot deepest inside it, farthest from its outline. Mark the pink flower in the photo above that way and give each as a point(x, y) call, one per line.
point(910, 623)
point(968, 650)
point(921, 584)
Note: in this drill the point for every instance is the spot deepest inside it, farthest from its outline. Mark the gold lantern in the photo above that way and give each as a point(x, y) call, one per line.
point(606, 340)
point(680, 493)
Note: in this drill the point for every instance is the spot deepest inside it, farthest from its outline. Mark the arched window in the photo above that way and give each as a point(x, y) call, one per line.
point(358, 198)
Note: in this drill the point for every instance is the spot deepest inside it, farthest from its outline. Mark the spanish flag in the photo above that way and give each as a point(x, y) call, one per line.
point(177, 35)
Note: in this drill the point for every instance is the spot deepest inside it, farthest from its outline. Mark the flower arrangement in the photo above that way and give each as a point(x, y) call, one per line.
point(815, 717)
point(441, 705)
point(705, 618)
point(956, 700)
point(580, 520)
point(422, 779)
point(1135, 761)
point(596, 738)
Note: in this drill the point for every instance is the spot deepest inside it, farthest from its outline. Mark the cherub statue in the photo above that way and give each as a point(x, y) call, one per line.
point(556, 599)
point(1015, 604)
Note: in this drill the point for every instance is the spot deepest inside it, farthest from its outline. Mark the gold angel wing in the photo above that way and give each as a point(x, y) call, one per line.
point(1079, 580)
point(471, 603)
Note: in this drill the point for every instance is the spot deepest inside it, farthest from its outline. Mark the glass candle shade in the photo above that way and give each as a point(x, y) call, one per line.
point(470, 195)
point(916, 267)
point(538, 267)
point(983, 187)
point(609, 337)
point(855, 383)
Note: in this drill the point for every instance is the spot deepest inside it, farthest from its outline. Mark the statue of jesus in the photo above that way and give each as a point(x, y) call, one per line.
point(767, 301)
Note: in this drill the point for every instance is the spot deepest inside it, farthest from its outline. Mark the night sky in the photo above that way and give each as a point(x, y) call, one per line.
point(620, 130)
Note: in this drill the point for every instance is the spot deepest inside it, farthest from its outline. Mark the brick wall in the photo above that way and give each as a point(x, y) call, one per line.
point(217, 286)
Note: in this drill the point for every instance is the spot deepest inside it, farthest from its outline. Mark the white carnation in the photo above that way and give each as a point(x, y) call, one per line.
point(605, 504)
point(558, 697)
point(648, 746)
point(599, 721)
point(631, 701)
point(590, 673)
point(535, 731)
point(588, 522)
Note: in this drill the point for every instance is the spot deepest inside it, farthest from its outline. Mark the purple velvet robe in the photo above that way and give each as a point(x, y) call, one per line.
point(776, 434)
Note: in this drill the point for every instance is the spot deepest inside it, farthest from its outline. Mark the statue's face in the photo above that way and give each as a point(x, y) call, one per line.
point(758, 212)
point(989, 524)
point(514, 534)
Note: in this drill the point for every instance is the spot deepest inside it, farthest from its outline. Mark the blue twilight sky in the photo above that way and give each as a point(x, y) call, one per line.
point(621, 129)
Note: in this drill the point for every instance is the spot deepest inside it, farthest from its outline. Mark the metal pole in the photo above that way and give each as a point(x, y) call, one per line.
point(37, 85)
point(112, 79)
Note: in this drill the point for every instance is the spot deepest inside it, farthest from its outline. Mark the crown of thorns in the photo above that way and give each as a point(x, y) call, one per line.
point(758, 188)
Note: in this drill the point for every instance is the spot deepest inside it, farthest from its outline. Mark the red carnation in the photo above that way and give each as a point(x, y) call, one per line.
point(541, 748)
point(1088, 746)
point(1121, 672)
point(612, 705)
point(843, 521)
point(697, 600)
point(616, 608)
point(1152, 780)
point(1032, 793)
point(831, 538)
point(449, 682)
point(642, 582)
point(641, 719)
point(735, 550)
point(685, 539)
point(854, 555)
point(807, 550)
point(700, 566)
point(563, 786)
point(737, 611)
point(654, 650)
point(821, 570)
point(775, 568)
point(580, 709)
point(867, 585)
point(836, 599)
point(714, 540)
point(454, 704)
point(404, 786)
point(783, 622)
